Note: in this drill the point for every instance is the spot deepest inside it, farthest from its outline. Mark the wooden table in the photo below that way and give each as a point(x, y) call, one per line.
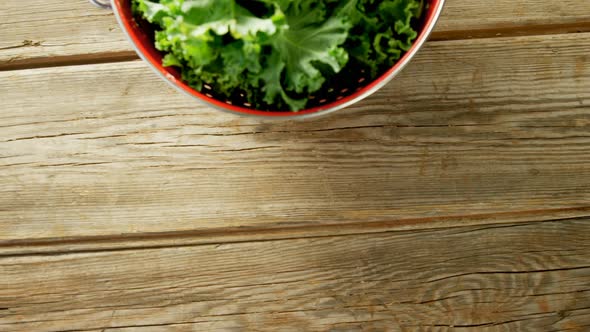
point(457, 198)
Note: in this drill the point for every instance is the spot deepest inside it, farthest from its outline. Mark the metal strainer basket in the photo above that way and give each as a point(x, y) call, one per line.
point(335, 97)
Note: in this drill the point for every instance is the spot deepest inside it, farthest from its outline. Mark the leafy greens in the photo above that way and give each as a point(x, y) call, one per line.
point(275, 53)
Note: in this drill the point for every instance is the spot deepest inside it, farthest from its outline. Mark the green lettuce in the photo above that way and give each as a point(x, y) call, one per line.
point(277, 53)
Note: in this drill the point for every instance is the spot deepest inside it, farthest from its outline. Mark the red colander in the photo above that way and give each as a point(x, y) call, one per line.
point(337, 97)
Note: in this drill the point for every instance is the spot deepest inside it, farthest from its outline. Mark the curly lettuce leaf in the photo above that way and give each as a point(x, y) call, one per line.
point(278, 52)
point(304, 44)
point(382, 30)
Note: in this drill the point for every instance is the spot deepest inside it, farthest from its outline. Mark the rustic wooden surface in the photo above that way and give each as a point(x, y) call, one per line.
point(527, 276)
point(44, 33)
point(457, 198)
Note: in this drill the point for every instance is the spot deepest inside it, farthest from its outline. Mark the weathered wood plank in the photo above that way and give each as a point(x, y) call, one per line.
point(525, 277)
point(38, 33)
point(465, 18)
point(61, 245)
point(471, 128)
point(46, 33)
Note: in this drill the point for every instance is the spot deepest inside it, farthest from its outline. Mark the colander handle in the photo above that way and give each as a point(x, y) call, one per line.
point(104, 4)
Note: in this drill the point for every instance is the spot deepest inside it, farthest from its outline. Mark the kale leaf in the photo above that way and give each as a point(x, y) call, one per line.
point(278, 52)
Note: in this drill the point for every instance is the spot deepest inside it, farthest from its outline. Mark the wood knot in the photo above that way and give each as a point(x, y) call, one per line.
point(31, 43)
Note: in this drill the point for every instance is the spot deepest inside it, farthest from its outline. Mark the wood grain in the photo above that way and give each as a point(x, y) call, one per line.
point(465, 18)
point(42, 33)
point(517, 277)
point(472, 128)
point(457, 198)
point(45, 33)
